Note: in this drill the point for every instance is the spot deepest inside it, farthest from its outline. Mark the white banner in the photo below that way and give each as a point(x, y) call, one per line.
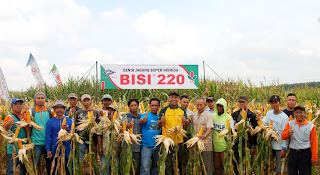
point(35, 71)
point(115, 76)
point(4, 93)
point(56, 75)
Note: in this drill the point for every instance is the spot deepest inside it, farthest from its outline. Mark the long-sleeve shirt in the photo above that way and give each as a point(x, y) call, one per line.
point(52, 130)
point(279, 123)
point(304, 136)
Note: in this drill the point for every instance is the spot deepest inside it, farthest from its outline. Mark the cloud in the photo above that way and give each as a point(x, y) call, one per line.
point(113, 15)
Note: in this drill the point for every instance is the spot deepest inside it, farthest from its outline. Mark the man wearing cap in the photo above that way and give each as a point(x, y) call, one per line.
point(211, 102)
point(104, 142)
point(280, 120)
point(82, 114)
point(106, 101)
point(184, 102)
point(243, 102)
point(291, 103)
point(41, 115)
point(53, 127)
point(10, 123)
point(171, 116)
point(73, 100)
point(303, 143)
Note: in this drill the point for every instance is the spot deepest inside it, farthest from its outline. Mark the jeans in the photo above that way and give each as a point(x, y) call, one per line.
point(10, 166)
point(148, 154)
point(82, 151)
point(103, 159)
point(41, 150)
point(276, 153)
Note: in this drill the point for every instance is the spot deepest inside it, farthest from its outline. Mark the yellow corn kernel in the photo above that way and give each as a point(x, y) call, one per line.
point(90, 115)
point(64, 121)
point(28, 116)
point(271, 124)
point(228, 124)
point(201, 130)
point(290, 118)
point(260, 122)
point(72, 127)
point(124, 125)
point(17, 132)
point(115, 115)
point(164, 133)
point(114, 102)
point(20, 144)
point(244, 114)
point(131, 130)
point(309, 116)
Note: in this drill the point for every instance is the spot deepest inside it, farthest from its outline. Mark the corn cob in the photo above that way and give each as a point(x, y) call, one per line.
point(64, 121)
point(28, 116)
point(201, 131)
point(20, 144)
point(164, 133)
point(17, 132)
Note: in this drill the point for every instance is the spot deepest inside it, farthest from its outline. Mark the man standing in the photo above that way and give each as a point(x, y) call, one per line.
point(82, 114)
point(73, 100)
point(280, 119)
point(170, 117)
point(133, 119)
point(219, 120)
point(291, 103)
point(41, 115)
point(184, 101)
point(243, 102)
point(303, 136)
point(150, 129)
point(53, 127)
point(204, 118)
point(211, 102)
point(10, 124)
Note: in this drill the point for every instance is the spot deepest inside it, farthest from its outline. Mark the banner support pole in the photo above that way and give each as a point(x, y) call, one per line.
point(204, 76)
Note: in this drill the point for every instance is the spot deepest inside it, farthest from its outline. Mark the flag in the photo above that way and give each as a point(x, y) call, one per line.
point(4, 93)
point(56, 75)
point(35, 71)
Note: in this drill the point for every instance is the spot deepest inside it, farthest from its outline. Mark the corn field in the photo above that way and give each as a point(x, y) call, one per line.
point(261, 163)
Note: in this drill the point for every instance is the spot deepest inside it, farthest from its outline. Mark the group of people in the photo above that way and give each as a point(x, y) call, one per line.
point(299, 134)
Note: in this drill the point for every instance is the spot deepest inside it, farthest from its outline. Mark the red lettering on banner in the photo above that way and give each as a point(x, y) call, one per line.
point(149, 79)
point(133, 79)
point(124, 79)
point(141, 79)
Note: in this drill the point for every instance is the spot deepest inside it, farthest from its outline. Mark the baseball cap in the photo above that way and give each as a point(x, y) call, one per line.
point(15, 100)
point(299, 107)
point(211, 98)
point(106, 96)
point(243, 98)
point(73, 95)
point(84, 96)
point(174, 93)
point(59, 103)
point(113, 107)
point(274, 98)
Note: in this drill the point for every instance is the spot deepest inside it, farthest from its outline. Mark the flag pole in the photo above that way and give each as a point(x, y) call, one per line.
point(97, 81)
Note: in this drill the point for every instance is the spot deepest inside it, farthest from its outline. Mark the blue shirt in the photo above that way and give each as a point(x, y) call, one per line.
point(136, 128)
point(149, 130)
point(53, 128)
point(67, 111)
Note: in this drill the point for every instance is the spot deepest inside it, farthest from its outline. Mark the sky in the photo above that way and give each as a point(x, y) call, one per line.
point(264, 41)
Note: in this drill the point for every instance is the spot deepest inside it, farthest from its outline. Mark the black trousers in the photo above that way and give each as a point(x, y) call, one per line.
point(170, 163)
point(299, 161)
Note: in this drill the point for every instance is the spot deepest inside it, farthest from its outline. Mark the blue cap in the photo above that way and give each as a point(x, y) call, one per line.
point(16, 100)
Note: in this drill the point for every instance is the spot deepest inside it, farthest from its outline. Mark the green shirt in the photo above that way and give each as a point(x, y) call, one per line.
point(22, 134)
point(219, 124)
